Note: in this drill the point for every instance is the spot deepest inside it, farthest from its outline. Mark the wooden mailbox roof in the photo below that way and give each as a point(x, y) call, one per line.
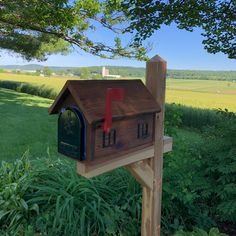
point(90, 97)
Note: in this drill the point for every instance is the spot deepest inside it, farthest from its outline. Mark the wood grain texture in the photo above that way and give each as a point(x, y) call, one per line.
point(101, 166)
point(147, 203)
point(126, 136)
point(95, 168)
point(142, 172)
point(156, 83)
point(90, 97)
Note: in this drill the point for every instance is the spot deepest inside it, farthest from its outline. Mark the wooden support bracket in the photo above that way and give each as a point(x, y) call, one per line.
point(143, 173)
point(96, 168)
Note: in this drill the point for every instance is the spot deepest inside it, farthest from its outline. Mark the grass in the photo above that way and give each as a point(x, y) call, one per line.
point(194, 93)
point(26, 125)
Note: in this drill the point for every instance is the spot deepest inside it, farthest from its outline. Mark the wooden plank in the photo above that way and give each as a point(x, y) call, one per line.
point(142, 172)
point(168, 144)
point(156, 83)
point(94, 168)
point(147, 198)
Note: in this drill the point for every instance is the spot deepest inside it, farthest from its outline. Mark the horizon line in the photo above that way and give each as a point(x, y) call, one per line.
point(138, 67)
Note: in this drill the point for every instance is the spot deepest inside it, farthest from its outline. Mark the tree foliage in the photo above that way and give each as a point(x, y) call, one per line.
point(217, 18)
point(37, 28)
point(85, 73)
point(47, 71)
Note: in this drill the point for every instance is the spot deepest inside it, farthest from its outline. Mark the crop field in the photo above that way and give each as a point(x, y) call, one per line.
point(208, 86)
point(202, 93)
point(202, 100)
point(194, 93)
point(48, 82)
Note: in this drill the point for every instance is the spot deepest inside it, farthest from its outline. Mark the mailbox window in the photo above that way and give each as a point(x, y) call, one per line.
point(109, 139)
point(142, 130)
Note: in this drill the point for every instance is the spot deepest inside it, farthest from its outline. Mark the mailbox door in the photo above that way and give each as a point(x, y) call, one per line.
point(71, 133)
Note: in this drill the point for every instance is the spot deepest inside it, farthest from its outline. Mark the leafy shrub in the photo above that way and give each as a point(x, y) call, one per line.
point(219, 162)
point(200, 178)
point(50, 198)
point(173, 118)
point(193, 117)
point(200, 232)
point(183, 203)
point(73, 205)
point(41, 91)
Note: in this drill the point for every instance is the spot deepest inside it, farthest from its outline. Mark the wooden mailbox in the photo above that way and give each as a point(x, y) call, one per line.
point(85, 132)
point(106, 124)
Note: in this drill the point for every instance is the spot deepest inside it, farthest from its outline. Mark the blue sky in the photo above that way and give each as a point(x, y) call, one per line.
point(181, 50)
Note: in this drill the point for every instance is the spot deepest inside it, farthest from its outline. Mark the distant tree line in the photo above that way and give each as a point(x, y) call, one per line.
point(202, 75)
point(171, 74)
point(94, 72)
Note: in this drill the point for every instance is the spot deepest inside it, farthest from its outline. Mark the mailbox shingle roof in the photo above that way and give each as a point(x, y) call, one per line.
point(90, 97)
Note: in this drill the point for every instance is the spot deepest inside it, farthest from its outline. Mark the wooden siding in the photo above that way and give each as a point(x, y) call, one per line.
point(126, 136)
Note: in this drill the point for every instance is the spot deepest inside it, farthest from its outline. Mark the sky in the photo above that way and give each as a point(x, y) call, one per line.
point(181, 50)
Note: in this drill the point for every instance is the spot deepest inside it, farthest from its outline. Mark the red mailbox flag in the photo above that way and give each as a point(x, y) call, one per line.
point(113, 94)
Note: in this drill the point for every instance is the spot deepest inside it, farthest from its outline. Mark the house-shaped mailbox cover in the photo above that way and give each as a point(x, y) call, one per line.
point(81, 106)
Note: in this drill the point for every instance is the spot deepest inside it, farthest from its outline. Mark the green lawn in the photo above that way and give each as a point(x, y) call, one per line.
point(26, 125)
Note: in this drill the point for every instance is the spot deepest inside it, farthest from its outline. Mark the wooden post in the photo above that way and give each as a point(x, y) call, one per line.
point(156, 83)
point(148, 172)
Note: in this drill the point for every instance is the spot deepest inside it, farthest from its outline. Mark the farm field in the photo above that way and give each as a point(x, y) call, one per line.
point(195, 93)
point(55, 83)
point(208, 86)
point(201, 99)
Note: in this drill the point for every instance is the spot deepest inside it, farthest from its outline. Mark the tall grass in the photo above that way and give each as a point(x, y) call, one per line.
point(49, 197)
point(193, 117)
